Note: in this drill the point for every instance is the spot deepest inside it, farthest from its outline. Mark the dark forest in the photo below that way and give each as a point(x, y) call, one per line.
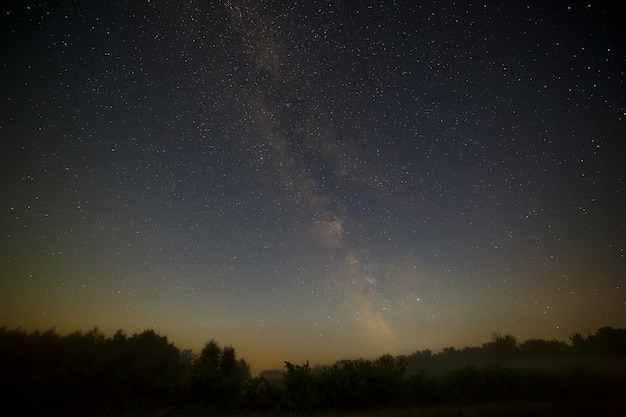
point(88, 373)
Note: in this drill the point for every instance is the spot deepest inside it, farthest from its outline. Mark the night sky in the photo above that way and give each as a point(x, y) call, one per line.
point(313, 180)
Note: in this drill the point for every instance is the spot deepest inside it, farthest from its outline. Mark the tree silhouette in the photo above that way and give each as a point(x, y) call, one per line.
point(538, 347)
point(218, 375)
point(300, 388)
point(501, 344)
point(608, 341)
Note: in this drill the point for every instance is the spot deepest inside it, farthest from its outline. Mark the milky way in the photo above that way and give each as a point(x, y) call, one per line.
point(313, 180)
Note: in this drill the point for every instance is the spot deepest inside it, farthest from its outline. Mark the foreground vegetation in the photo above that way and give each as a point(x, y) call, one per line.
point(144, 374)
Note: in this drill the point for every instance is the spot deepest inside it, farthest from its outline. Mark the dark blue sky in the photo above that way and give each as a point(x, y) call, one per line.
point(313, 180)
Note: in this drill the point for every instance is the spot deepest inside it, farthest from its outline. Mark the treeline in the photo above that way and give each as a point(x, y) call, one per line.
point(90, 373)
point(592, 367)
point(533, 353)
